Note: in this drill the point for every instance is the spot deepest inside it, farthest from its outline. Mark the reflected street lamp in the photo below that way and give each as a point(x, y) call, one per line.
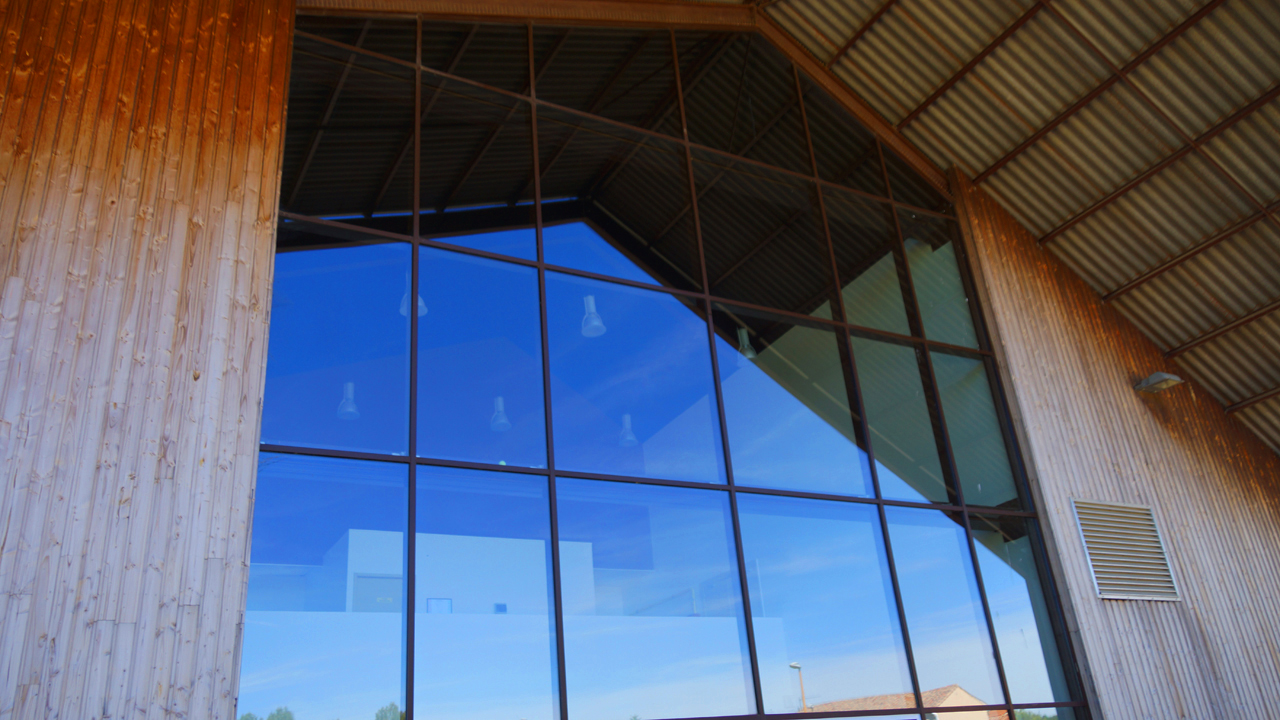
point(804, 707)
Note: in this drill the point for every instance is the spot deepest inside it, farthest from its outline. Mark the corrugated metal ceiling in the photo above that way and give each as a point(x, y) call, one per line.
point(1140, 139)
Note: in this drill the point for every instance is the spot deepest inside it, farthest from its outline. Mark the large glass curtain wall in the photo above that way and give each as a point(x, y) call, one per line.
point(620, 375)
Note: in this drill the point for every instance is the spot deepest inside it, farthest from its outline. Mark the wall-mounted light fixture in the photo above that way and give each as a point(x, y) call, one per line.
point(1157, 382)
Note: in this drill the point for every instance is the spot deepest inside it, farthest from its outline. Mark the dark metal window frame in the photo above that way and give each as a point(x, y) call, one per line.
point(706, 301)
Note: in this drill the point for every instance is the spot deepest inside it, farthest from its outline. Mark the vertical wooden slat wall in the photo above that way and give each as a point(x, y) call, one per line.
point(139, 172)
point(1070, 364)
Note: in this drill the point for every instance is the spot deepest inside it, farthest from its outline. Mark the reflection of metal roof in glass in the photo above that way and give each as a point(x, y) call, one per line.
point(608, 129)
point(1120, 134)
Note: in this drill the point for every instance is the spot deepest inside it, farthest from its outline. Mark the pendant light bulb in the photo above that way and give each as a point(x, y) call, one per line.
point(499, 421)
point(746, 352)
point(592, 325)
point(404, 300)
point(347, 409)
point(628, 437)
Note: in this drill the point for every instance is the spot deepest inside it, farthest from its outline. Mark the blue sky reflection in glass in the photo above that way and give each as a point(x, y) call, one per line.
point(326, 587)
point(480, 361)
point(788, 414)
point(338, 356)
point(577, 245)
point(637, 399)
point(517, 242)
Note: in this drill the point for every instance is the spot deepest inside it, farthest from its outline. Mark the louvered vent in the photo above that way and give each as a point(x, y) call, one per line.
point(1126, 553)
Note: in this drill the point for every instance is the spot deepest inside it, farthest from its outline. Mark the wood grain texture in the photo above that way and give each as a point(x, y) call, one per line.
point(139, 174)
point(1070, 363)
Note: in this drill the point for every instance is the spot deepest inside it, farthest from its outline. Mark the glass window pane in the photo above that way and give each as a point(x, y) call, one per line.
point(763, 236)
point(931, 253)
point(338, 356)
point(477, 148)
point(507, 230)
point(495, 55)
point(577, 245)
point(479, 361)
point(631, 383)
point(324, 620)
point(822, 606)
point(789, 404)
point(908, 187)
point(620, 74)
point(632, 188)
point(982, 461)
point(871, 275)
point(949, 637)
point(394, 37)
point(846, 151)
point(745, 103)
point(652, 602)
point(318, 174)
point(484, 619)
point(1028, 648)
point(900, 422)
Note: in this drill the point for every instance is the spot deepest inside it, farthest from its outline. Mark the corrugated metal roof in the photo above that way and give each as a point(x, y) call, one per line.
point(1116, 164)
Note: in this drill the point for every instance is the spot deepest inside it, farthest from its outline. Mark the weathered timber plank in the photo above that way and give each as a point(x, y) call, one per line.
point(1070, 363)
point(140, 169)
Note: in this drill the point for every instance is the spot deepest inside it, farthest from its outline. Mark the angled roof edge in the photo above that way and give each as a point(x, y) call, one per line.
point(660, 13)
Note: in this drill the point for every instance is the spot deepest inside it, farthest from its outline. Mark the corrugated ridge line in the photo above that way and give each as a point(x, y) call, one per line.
point(138, 217)
point(1088, 434)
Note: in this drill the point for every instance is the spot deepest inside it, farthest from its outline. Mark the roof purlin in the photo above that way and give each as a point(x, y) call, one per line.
point(1115, 77)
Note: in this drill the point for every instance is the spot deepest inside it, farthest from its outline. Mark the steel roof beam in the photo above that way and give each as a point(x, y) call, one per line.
point(866, 156)
point(407, 145)
point(698, 69)
point(593, 107)
point(1223, 329)
point(862, 30)
point(1254, 400)
point(1116, 76)
point(973, 63)
point(1191, 252)
point(701, 16)
point(777, 117)
point(590, 13)
point(328, 112)
point(1196, 143)
point(493, 134)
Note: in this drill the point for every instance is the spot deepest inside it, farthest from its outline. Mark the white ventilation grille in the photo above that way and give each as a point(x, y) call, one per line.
point(1126, 554)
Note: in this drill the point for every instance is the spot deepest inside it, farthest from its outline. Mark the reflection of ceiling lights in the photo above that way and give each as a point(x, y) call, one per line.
point(404, 301)
point(1157, 382)
point(499, 421)
point(347, 409)
point(627, 438)
point(592, 325)
point(745, 351)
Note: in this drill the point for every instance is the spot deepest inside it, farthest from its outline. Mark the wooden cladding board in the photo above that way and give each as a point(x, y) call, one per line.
point(1070, 363)
point(139, 172)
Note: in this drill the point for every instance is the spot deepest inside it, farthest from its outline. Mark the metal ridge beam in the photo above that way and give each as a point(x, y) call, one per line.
point(1192, 251)
point(407, 145)
point(656, 14)
point(535, 74)
point(969, 66)
point(1251, 401)
point(1114, 78)
point(1192, 145)
point(844, 95)
point(600, 13)
point(1223, 329)
point(862, 30)
point(328, 113)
